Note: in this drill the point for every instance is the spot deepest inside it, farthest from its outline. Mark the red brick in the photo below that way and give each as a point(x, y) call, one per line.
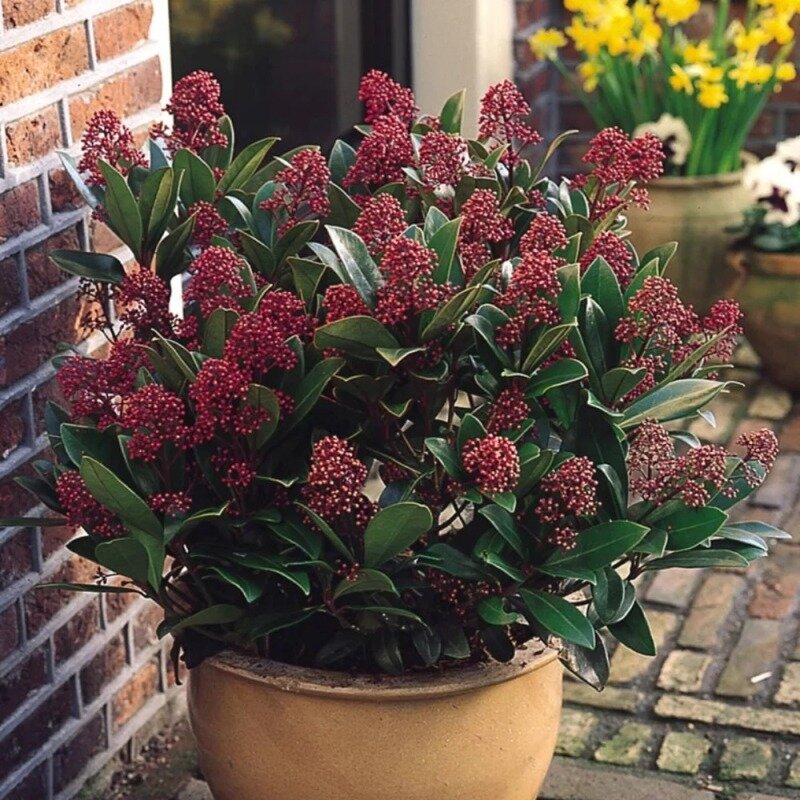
point(14, 501)
point(529, 11)
point(144, 626)
point(72, 757)
point(41, 605)
point(15, 558)
point(12, 432)
point(43, 274)
point(54, 538)
point(34, 787)
point(132, 91)
point(32, 137)
point(22, 12)
point(63, 194)
point(774, 594)
point(19, 208)
point(122, 29)
point(134, 694)
point(21, 682)
point(103, 239)
point(9, 631)
point(33, 343)
point(118, 604)
point(34, 731)
point(103, 668)
point(9, 284)
point(77, 632)
point(40, 63)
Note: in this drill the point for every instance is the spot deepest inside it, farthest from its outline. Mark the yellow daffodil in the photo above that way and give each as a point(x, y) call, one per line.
point(546, 42)
point(748, 42)
point(587, 39)
point(708, 73)
point(636, 49)
point(751, 73)
point(681, 80)
point(778, 28)
point(711, 95)
point(676, 11)
point(781, 6)
point(700, 53)
point(649, 30)
point(590, 72)
point(785, 72)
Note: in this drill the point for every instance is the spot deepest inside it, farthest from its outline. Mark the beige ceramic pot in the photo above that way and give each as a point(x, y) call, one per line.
point(767, 286)
point(693, 212)
point(268, 731)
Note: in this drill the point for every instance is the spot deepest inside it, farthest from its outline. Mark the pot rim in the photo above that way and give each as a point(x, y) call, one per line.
point(378, 688)
point(692, 182)
point(765, 262)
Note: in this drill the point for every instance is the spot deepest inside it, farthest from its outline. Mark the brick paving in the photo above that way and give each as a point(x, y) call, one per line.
point(716, 715)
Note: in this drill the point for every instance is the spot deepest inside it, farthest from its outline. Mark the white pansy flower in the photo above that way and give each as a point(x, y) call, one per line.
point(789, 152)
point(674, 135)
point(773, 186)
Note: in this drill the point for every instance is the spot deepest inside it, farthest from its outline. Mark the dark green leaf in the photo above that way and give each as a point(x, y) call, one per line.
point(597, 547)
point(559, 616)
point(94, 266)
point(493, 611)
point(357, 336)
point(497, 642)
point(367, 580)
point(359, 268)
point(244, 165)
point(393, 529)
point(452, 112)
point(691, 526)
point(220, 614)
point(121, 208)
point(697, 559)
point(171, 255)
point(634, 631)
point(428, 644)
point(672, 401)
point(590, 665)
point(506, 526)
point(198, 180)
point(445, 454)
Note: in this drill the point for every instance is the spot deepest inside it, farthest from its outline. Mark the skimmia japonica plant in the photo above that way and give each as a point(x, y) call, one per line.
point(423, 403)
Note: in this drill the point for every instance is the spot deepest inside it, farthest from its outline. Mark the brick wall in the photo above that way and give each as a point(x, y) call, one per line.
point(556, 109)
point(79, 674)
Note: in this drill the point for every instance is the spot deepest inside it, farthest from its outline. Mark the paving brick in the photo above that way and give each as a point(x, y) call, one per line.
point(682, 752)
point(575, 729)
point(726, 409)
point(780, 488)
point(627, 665)
point(683, 671)
point(777, 587)
point(754, 654)
point(710, 609)
point(673, 587)
point(788, 693)
point(610, 698)
point(793, 778)
point(567, 781)
point(770, 402)
point(789, 438)
point(715, 712)
point(745, 759)
point(626, 746)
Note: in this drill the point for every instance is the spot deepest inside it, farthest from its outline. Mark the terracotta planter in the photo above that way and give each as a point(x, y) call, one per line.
point(767, 286)
point(268, 731)
point(693, 212)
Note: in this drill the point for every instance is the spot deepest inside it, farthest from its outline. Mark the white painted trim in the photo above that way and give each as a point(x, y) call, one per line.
point(460, 44)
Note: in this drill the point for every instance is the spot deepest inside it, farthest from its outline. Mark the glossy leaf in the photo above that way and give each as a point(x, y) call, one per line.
point(394, 529)
point(559, 616)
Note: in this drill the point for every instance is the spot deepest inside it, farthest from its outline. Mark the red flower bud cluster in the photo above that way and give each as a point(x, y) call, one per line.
point(171, 504)
point(760, 446)
point(618, 160)
point(95, 387)
point(382, 154)
point(217, 392)
point(143, 304)
point(302, 190)
point(530, 298)
point(501, 121)
point(481, 223)
point(381, 95)
point(461, 595)
point(217, 280)
point(492, 462)
point(107, 139)
point(545, 233)
point(443, 160)
point(609, 246)
point(257, 344)
point(196, 110)
point(381, 219)
point(234, 472)
point(508, 411)
point(156, 417)
point(342, 300)
point(569, 492)
point(208, 223)
point(724, 317)
point(82, 510)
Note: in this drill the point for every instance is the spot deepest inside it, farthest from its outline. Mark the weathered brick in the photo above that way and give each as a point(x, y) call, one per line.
point(754, 654)
point(575, 729)
point(715, 712)
point(9, 631)
point(710, 609)
point(627, 665)
point(43, 274)
point(34, 786)
point(32, 137)
point(17, 685)
point(673, 587)
point(19, 209)
point(745, 759)
point(780, 488)
point(793, 778)
point(610, 698)
point(144, 626)
point(682, 752)
point(120, 30)
point(15, 558)
point(12, 432)
point(63, 194)
point(778, 585)
point(770, 402)
point(117, 604)
point(54, 538)
point(626, 746)
point(40, 63)
point(22, 12)
point(104, 667)
point(72, 757)
point(77, 632)
point(134, 694)
point(788, 693)
point(133, 90)
point(9, 284)
point(683, 671)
